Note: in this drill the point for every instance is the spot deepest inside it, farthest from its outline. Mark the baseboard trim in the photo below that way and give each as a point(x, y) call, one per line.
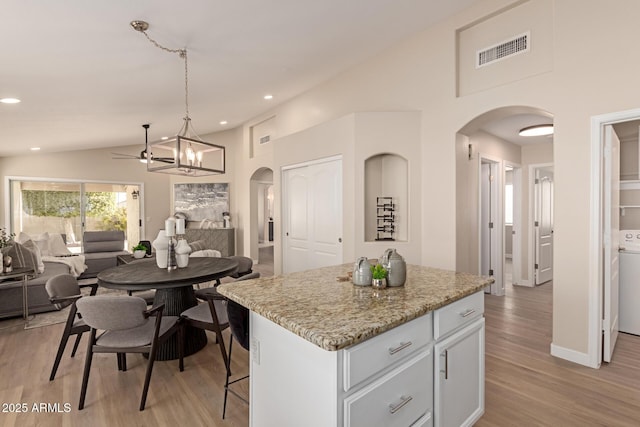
point(525, 283)
point(571, 355)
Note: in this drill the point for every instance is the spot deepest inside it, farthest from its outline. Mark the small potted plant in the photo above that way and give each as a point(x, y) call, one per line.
point(139, 251)
point(379, 274)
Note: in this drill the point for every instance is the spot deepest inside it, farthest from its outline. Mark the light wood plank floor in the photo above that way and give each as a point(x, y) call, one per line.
point(525, 386)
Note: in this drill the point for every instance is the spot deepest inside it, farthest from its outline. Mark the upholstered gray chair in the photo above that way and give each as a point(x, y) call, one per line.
point(64, 291)
point(211, 316)
point(128, 328)
point(245, 265)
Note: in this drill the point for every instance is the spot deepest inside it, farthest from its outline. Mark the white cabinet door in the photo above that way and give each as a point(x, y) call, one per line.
point(459, 377)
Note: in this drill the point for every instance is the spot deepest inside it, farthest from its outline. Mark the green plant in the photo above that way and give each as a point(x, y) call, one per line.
point(378, 271)
point(140, 247)
point(5, 238)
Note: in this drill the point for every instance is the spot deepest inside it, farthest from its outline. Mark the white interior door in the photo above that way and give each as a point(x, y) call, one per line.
point(491, 222)
point(543, 226)
point(312, 220)
point(611, 230)
point(295, 189)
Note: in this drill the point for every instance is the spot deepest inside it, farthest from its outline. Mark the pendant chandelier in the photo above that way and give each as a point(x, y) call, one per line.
point(185, 153)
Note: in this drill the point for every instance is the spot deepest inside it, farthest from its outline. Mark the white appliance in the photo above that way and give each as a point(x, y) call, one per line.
point(629, 282)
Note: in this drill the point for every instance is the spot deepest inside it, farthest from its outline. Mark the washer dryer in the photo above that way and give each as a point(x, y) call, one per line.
point(629, 262)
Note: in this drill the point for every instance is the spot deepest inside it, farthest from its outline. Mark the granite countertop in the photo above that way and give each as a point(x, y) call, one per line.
point(336, 314)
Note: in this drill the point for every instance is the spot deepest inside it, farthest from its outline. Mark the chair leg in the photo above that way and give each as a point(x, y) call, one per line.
point(63, 344)
point(75, 345)
point(87, 369)
point(181, 347)
point(147, 377)
point(123, 356)
point(226, 383)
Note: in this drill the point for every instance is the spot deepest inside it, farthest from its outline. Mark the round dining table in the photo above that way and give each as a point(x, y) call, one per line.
point(173, 288)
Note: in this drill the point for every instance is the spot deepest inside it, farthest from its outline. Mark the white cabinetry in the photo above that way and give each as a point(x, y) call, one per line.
point(459, 363)
point(385, 381)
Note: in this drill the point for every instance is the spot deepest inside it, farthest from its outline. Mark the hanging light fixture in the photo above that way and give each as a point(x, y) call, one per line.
point(537, 130)
point(186, 153)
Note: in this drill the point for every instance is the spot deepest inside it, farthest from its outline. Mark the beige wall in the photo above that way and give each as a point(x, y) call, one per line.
point(593, 71)
point(467, 188)
point(420, 74)
point(98, 165)
point(94, 165)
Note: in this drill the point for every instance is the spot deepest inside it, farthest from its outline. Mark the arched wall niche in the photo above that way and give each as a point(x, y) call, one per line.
point(386, 175)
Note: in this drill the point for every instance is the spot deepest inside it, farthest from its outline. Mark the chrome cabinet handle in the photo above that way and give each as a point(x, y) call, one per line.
point(469, 312)
point(401, 347)
point(446, 364)
point(403, 401)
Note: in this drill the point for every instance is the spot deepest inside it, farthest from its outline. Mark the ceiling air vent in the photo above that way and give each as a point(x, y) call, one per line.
point(514, 46)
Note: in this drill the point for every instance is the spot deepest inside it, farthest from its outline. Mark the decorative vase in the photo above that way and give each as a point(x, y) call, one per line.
point(139, 254)
point(379, 283)
point(182, 253)
point(161, 245)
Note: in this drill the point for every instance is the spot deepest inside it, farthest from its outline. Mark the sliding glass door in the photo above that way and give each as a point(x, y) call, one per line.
point(70, 208)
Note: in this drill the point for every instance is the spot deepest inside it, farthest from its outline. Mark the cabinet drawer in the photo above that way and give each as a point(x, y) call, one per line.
point(365, 359)
point(400, 398)
point(457, 314)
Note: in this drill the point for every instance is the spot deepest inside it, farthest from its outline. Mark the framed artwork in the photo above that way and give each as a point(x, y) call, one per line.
point(200, 201)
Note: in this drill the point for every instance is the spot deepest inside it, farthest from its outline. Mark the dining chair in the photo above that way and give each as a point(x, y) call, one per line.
point(64, 291)
point(245, 265)
point(213, 316)
point(210, 316)
point(238, 317)
point(127, 327)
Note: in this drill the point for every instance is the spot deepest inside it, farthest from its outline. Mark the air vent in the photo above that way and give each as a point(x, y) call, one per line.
point(265, 139)
point(514, 46)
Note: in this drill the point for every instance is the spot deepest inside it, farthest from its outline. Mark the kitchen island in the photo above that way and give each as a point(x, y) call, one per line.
point(328, 353)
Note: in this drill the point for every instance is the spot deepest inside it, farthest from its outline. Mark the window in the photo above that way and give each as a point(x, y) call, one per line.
point(508, 204)
point(73, 207)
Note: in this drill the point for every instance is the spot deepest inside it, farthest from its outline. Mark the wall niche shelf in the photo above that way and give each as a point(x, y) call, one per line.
point(386, 194)
point(385, 219)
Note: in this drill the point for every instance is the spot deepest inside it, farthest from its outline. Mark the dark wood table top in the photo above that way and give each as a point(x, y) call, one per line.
point(145, 274)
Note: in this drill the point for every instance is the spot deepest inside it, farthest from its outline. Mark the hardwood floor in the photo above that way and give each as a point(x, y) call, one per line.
point(525, 386)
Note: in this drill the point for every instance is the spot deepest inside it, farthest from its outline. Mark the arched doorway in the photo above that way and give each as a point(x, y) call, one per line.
point(262, 236)
point(498, 197)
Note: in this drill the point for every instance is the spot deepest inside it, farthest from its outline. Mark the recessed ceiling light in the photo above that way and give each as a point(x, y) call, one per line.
point(164, 138)
point(9, 100)
point(34, 148)
point(223, 122)
point(537, 130)
point(267, 97)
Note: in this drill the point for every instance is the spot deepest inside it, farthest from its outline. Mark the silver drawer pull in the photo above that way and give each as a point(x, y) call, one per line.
point(404, 400)
point(401, 347)
point(469, 312)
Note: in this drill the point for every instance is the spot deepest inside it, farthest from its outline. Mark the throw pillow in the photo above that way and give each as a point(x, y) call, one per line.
point(57, 246)
point(30, 245)
point(21, 256)
point(205, 253)
point(198, 245)
point(42, 241)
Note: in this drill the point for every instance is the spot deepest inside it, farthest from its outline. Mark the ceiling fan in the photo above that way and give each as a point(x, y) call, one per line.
point(144, 157)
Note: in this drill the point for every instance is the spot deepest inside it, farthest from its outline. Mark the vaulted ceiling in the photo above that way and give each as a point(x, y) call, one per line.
point(86, 79)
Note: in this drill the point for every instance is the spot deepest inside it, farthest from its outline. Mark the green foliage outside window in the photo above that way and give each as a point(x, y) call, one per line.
point(66, 204)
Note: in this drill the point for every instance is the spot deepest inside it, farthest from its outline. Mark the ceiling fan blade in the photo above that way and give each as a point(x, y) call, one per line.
point(124, 156)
